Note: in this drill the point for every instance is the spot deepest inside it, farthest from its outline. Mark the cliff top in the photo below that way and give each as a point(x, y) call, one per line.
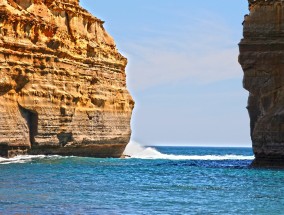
point(263, 1)
point(62, 27)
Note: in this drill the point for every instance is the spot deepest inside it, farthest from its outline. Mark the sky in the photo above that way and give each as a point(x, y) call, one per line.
point(183, 70)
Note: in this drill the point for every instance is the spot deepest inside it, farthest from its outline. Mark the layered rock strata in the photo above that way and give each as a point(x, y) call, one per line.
point(62, 82)
point(262, 59)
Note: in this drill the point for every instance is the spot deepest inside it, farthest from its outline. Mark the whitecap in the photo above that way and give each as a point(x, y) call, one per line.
point(135, 150)
point(24, 158)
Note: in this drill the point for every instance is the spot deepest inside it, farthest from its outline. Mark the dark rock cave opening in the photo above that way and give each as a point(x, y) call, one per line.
point(4, 150)
point(65, 138)
point(31, 118)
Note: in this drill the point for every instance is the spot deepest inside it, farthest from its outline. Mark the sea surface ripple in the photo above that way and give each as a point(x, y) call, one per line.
point(156, 180)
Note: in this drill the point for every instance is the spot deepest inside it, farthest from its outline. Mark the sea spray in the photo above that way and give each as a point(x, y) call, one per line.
point(138, 151)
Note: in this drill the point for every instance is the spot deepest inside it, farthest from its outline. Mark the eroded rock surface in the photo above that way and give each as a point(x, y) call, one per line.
point(262, 59)
point(62, 82)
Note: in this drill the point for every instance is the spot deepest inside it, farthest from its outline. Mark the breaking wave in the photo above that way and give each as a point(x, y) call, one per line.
point(24, 158)
point(135, 150)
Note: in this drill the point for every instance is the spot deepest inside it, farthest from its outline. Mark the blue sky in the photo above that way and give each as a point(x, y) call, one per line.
point(183, 69)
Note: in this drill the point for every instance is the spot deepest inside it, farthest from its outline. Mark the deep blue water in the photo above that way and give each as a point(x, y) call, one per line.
point(175, 185)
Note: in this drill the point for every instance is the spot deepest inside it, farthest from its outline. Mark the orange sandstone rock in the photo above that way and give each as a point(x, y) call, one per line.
point(62, 82)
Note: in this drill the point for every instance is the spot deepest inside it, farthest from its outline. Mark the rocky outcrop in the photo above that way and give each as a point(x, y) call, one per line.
point(262, 59)
point(62, 82)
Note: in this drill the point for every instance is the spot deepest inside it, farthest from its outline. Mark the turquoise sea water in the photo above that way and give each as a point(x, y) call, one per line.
point(164, 180)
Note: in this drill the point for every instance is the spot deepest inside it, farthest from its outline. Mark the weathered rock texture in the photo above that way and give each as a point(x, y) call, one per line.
point(262, 59)
point(62, 82)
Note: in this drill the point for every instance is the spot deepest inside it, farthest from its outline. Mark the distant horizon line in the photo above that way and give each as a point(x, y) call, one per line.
point(236, 145)
point(201, 146)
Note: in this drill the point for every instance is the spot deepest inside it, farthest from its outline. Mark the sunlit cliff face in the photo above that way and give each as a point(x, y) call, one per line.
point(63, 83)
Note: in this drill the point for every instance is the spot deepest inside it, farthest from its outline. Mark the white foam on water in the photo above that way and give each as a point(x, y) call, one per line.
point(24, 158)
point(135, 150)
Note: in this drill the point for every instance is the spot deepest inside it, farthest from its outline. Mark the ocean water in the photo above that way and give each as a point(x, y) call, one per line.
point(160, 180)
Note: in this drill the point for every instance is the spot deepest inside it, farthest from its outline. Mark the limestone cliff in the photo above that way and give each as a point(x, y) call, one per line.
point(262, 59)
point(62, 82)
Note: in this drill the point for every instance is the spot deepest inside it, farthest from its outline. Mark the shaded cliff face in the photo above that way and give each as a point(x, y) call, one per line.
point(262, 59)
point(62, 82)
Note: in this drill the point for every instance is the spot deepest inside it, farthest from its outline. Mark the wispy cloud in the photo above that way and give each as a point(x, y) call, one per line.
point(201, 50)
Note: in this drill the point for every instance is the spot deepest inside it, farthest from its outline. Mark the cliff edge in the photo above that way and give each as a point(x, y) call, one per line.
point(62, 82)
point(262, 60)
